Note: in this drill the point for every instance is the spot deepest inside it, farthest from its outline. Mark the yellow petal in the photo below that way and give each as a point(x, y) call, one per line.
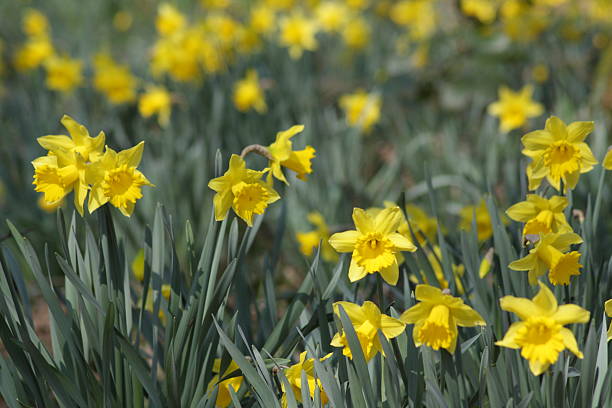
point(522, 307)
point(545, 299)
point(356, 272)
point(537, 140)
point(222, 203)
point(608, 307)
point(371, 311)
point(510, 336)
point(418, 312)
point(557, 128)
point(344, 241)
point(467, 317)
point(391, 273)
point(538, 367)
point(607, 161)
point(55, 142)
point(427, 293)
point(562, 242)
point(523, 211)
point(77, 131)
point(391, 327)
point(362, 220)
point(567, 314)
point(578, 131)
point(401, 243)
point(132, 156)
point(353, 311)
point(524, 264)
point(570, 341)
point(388, 220)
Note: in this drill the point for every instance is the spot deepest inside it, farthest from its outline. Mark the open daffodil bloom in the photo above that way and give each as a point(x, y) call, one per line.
point(541, 215)
point(540, 334)
point(375, 244)
point(437, 316)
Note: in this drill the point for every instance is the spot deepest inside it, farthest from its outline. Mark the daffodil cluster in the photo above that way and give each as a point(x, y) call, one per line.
point(245, 190)
point(83, 164)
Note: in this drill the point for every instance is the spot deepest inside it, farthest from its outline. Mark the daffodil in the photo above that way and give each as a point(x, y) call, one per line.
point(115, 179)
point(541, 215)
point(310, 240)
point(169, 19)
point(375, 245)
point(114, 80)
point(79, 141)
point(35, 23)
point(483, 10)
point(356, 33)
point(484, 227)
point(263, 18)
point(362, 109)
point(56, 177)
point(243, 190)
point(608, 309)
point(234, 382)
point(437, 316)
point(558, 153)
point(435, 258)
point(34, 53)
point(64, 74)
point(156, 101)
point(551, 253)
point(514, 108)
point(367, 320)
point(540, 333)
point(283, 155)
point(248, 94)
point(297, 32)
point(332, 15)
point(294, 377)
point(418, 16)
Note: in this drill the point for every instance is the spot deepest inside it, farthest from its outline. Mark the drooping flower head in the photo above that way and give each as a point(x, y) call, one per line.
point(116, 179)
point(283, 155)
point(551, 253)
point(234, 382)
point(294, 377)
point(558, 153)
point(540, 333)
point(367, 320)
point(79, 141)
point(362, 109)
point(437, 316)
point(169, 20)
point(541, 215)
point(243, 190)
point(310, 240)
point(248, 94)
point(514, 108)
point(375, 244)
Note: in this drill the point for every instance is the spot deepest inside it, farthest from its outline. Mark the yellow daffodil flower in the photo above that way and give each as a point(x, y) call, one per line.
point(541, 215)
point(310, 240)
point(156, 101)
point(115, 81)
point(514, 108)
point(35, 23)
point(262, 19)
point(356, 33)
point(283, 155)
point(56, 177)
point(558, 153)
point(33, 53)
point(115, 179)
point(375, 244)
point(483, 10)
point(248, 94)
point(437, 316)
point(297, 33)
point(64, 74)
point(608, 309)
point(484, 227)
point(550, 253)
point(540, 333)
point(332, 15)
point(418, 16)
point(89, 148)
point(424, 226)
point(435, 258)
point(294, 377)
point(243, 190)
point(235, 382)
point(362, 109)
point(367, 320)
point(169, 20)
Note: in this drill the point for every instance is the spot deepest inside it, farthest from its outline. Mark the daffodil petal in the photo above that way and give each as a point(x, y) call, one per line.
point(344, 241)
point(567, 314)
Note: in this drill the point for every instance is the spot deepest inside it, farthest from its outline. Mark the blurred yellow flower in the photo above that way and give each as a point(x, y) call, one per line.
point(484, 227)
point(356, 33)
point(48, 207)
point(514, 108)
point(435, 258)
point(297, 33)
point(523, 22)
point(607, 161)
point(540, 333)
point(35, 23)
point(367, 320)
point(63, 73)
point(294, 377)
point(243, 190)
point(418, 16)
point(115, 179)
point(248, 94)
point(122, 20)
point(483, 10)
point(181, 54)
point(310, 240)
point(169, 19)
point(138, 264)
point(115, 81)
point(234, 382)
point(375, 244)
point(541, 215)
point(437, 316)
point(361, 109)
point(332, 15)
point(423, 226)
point(551, 253)
point(558, 153)
point(156, 101)
point(263, 19)
point(608, 309)
point(33, 53)
point(283, 155)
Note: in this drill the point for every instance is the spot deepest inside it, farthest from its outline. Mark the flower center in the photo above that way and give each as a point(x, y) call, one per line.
point(374, 252)
point(435, 332)
point(562, 158)
point(250, 197)
point(122, 185)
point(565, 267)
point(48, 181)
point(540, 339)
